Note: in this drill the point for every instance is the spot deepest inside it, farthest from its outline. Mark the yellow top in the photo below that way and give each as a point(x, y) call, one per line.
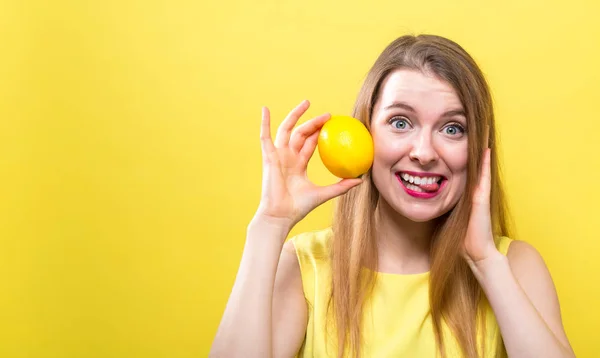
point(397, 322)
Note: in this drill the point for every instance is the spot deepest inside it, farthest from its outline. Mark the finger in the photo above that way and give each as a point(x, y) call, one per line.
point(482, 193)
point(267, 147)
point(285, 129)
point(309, 146)
point(331, 191)
point(306, 130)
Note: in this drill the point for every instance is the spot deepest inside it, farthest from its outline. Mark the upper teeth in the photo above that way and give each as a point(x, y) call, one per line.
point(420, 180)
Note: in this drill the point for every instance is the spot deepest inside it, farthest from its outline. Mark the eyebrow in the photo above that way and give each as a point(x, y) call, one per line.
point(450, 113)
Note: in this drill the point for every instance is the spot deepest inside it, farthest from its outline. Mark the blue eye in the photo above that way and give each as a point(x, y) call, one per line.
point(400, 123)
point(453, 130)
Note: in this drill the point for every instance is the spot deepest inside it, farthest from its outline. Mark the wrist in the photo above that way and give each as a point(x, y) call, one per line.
point(487, 269)
point(265, 227)
point(271, 222)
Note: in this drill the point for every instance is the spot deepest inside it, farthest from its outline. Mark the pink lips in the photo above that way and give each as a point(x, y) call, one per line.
point(418, 194)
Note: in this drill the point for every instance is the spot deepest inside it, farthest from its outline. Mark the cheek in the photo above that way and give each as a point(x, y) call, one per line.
point(387, 151)
point(455, 156)
point(457, 162)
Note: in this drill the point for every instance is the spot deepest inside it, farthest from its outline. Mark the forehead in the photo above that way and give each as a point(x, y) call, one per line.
point(422, 91)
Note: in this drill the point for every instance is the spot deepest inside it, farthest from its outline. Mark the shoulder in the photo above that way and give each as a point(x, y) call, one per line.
point(530, 270)
point(532, 274)
point(311, 244)
point(525, 261)
point(524, 258)
point(311, 250)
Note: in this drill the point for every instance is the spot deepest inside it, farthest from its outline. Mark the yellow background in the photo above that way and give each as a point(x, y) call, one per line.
point(130, 162)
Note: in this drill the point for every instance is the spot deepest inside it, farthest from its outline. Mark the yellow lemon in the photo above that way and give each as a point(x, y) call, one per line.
point(345, 147)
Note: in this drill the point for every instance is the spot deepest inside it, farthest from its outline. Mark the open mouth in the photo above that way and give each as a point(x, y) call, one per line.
point(422, 185)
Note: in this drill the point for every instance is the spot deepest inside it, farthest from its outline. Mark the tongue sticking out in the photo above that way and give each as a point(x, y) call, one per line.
point(429, 187)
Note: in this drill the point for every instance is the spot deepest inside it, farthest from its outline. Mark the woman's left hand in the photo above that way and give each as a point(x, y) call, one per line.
point(479, 246)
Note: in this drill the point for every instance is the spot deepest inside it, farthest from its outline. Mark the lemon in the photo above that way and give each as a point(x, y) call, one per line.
point(345, 147)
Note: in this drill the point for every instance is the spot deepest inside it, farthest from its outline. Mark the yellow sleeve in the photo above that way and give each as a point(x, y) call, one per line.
point(502, 244)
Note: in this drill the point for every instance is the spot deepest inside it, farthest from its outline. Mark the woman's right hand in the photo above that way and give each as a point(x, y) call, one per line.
point(287, 193)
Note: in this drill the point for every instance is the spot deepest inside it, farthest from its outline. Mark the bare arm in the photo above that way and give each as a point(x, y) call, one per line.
point(267, 303)
point(525, 303)
point(264, 316)
point(518, 286)
point(290, 315)
point(245, 329)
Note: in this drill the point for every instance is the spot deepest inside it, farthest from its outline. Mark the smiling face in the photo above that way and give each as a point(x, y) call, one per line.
point(419, 130)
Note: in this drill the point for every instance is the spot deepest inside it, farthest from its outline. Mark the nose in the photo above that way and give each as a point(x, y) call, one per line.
point(423, 150)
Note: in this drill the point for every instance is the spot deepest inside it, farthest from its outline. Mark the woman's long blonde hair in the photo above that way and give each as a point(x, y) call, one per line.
point(454, 293)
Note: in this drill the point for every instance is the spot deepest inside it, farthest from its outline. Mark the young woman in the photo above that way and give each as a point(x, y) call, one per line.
point(418, 261)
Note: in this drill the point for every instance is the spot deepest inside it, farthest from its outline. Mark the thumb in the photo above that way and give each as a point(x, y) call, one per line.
point(331, 191)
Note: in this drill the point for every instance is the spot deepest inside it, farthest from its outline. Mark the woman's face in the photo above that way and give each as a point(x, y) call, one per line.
point(419, 130)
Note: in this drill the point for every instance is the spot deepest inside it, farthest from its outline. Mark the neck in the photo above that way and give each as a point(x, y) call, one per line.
point(403, 245)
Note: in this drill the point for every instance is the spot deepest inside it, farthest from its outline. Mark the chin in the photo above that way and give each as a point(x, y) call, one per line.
point(419, 212)
point(420, 215)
